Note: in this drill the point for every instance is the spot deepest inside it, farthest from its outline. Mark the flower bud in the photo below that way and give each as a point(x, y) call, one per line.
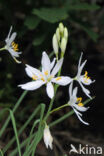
point(48, 139)
point(55, 44)
point(63, 45)
point(58, 34)
point(61, 27)
point(66, 33)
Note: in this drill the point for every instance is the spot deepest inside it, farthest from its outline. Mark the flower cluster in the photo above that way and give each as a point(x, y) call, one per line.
point(50, 74)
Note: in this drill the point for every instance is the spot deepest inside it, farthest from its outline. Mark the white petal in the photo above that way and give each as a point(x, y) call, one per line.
point(63, 80)
point(50, 90)
point(53, 63)
point(78, 115)
point(80, 108)
point(57, 67)
point(86, 81)
point(13, 53)
point(80, 59)
point(32, 85)
point(12, 38)
point(46, 65)
point(70, 89)
point(75, 90)
point(86, 91)
point(34, 70)
point(28, 72)
point(81, 68)
point(7, 38)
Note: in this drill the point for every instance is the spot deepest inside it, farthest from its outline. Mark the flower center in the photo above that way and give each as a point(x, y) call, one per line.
point(79, 100)
point(15, 46)
point(86, 78)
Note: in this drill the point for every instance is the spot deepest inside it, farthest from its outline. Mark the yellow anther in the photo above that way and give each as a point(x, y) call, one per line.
point(80, 104)
point(58, 78)
point(15, 46)
point(46, 72)
point(34, 77)
point(42, 79)
point(79, 99)
point(86, 78)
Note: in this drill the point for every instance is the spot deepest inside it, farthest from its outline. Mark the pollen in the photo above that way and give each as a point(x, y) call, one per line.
point(80, 104)
point(34, 77)
point(58, 78)
point(46, 72)
point(86, 78)
point(15, 46)
point(42, 78)
point(79, 99)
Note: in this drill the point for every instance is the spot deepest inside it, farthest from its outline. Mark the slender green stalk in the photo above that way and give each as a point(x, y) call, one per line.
point(22, 128)
point(23, 144)
point(1, 49)
point(37, 139)
point(15, 130)
point(38, 134)
point(58, 108)
point(14, 109)
point(31, 132)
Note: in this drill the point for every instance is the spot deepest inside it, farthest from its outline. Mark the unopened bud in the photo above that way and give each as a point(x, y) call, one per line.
point(61, 27)
point(66, 33)
point(48, 139)
point(58, 34)
point(55, 44)
point(63, 45)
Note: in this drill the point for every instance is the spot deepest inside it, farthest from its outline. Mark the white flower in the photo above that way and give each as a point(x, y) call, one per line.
point(76, 103)
point(48, 139)
point(47, 76)
point(83, 79)
point(11, 46)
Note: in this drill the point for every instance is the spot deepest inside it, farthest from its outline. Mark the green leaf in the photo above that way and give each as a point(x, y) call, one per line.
point(32, 22)
point(39, 40)
point(81, 6)
point(51, 15)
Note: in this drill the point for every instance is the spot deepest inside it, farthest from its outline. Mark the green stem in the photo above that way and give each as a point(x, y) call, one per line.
point(1, 49)
point(14, 109)
point(58, 108)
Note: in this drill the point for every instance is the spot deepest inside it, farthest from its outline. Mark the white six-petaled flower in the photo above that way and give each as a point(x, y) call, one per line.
point(46, 76)
point(48, 139)
point(11, 46)
point(76, 103)
point(83, 79)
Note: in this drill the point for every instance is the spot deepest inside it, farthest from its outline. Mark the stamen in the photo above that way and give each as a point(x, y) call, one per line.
point(80, 104)
point(42, 79)
point(58, 78)
point(86, 78)
point(35, 77)
point(46, 72)
point(79, 99)
point(15, 46)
